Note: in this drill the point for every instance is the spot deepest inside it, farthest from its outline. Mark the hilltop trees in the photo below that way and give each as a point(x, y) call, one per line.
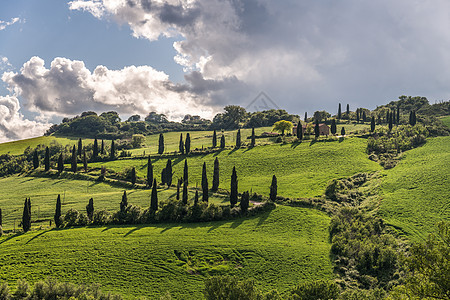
point(187, 144)
point(149, 172)
point(204, 184)
point(273, 189)
point(238, 139)
point(222, 141)
point(26, 215)
point(234, 188)
point(90, 209)
point(57, 216)
point(214, 139)
point(215, 184)
point(181, 144)
point(161, 144)
point(47, 159)
point(282, 126)
point(154, 198)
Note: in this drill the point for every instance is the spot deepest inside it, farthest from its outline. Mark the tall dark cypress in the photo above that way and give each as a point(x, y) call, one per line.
point(185, 194)
point(299, 131)
point(47, 159)
point(306, 117)
point(161, 144)
point(333, 126)
point(178, 189)
point(388, 114)
point(273, 189)
point(154, 197)
point(80, 147)
point(234, 188)
point(343, 131)
point(339, 112)
point(112, 155)
point(238, 139)
point(133, 176)
point(204, 184)
point(348, 111)
point(181, 144)
point(222, 141)
point(398, 115)
point(253, 138)
point(60, 163)
point(357, 115)
point(414, 120)
point(372, 124)
point(124, 202)
point(26, 216)
point(364, 117)
point(390, 121)
point(90, 209)
point(35, 160)
point(168, 172)
point(214, 139)
point(102, 148)
point(196, 198)
point(316, 129)
point(95, 149)
point(149, 172)
point(185, 173)
point(245, 201)
point(85, 162)
point(215, 183)
point(74, 160)
point(187, 144)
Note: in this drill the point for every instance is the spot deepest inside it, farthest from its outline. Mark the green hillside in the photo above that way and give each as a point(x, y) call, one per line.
point(278, 249)
point(416, 193)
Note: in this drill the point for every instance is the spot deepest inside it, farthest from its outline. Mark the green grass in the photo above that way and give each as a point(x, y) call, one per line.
point(416, 193)
point(302, 170)
point(17, 147)
point(446, 121)
point(278, 249)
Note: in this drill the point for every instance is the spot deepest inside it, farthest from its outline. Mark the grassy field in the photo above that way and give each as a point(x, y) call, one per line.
point(416, 193)
point(446, 121)
point(278, 249)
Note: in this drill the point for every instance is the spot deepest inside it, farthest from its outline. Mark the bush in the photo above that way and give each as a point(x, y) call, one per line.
point(101, 217)
point(313, 290)
point(228, 287)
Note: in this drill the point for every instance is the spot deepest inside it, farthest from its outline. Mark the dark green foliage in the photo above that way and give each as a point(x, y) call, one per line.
point(35, 160)
point(60, 163)
point(26, 215)
point(187, 144)
point(90, 209)
point(345, 190)
point(229, 287)
point(161, 144)
point(234, 188)
point(163, 176)
point(196, 198)
point(299, 132)
point(273, 189)
point(316, 129)
point(388, 115)
point(185, 173)
point(124, 202)
point(47, 159)
point(57, 216)
point(339, 115)
point(112, 155)
point(80, 147)
point(364, 116)
point(204, 184)
point(357, 115)
point(168, 173)
point(154, 197)
point(253, 138)
point(343, 131)
point(398, 115)
point(133, 176)
point(149, 172)
point(215, 183)
point(214, 139)
point(372, 124)
point(348, 112)
point(222, 141)
point(185, 194)
point(333, 126)
point(306, 117)
point(238, 139)
point(245, 201)
point(102, 148)
point(95, 149)
point(178, 188)
point(181, 144)
point(85, 162)
point(391, 123)
point(73, 167)
point(312, 290)
point(412, 118)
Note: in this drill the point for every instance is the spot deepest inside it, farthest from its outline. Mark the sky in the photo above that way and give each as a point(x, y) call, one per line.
point(60, 58)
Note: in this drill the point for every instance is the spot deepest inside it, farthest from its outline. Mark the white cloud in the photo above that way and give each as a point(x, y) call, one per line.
point(4, 24)
point(13, 125)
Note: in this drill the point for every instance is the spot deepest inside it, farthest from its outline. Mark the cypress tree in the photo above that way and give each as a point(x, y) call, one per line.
point(214, 139)
point(178, 189)
point(316, 129)
point(149, 172)
point(112, 155)
point(26, 216)
point(222, 141)
point(90, 209)
point(398, 115)
point(238, 139)
point(95, 149)
point(357, 115)
point(245, 201)
point(372, 124)
point(181, 144)
point(204, 184)
point(348, 111)
point(273, 189)
point(333, 126)
point(253, 138)
point(414, 121)
point(339, 112)
point(133, 176)
point(169, 173)
point(85, 162)
point(306, 117)
point(154, 198)
point(215, 183)
point(299, 130)
point(185, 173)
point(102, 148)
point(60, 163)
point(187, 144)
point(80, 147)
point(74, 160)
point(234, 188)
point(124, 202)
point(388, 114)
point(343, 131)
point(196, 198)
point(161, 144)
point(35, 160)
point(57, 216)
point(390, 121)
point(185, 194)
point(47, 159)
point(364, 117)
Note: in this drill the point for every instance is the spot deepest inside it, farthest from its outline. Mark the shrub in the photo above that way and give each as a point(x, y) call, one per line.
point(228, 287)
point(101, 217)
point(319, 289)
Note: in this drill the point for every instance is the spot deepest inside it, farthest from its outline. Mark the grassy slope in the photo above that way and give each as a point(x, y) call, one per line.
point(302, 170)
point(278, 249)
point(416, 194)
point(446, 121)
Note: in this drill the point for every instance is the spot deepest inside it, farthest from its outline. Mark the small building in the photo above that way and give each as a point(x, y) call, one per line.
point(324, 129)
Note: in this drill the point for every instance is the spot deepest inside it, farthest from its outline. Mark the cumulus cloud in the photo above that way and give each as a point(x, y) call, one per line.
point(306, 54)
point(68, 88)
point(4, 24)
point(13, 125)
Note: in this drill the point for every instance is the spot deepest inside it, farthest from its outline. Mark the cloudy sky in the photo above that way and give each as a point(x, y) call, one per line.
point(60, 58)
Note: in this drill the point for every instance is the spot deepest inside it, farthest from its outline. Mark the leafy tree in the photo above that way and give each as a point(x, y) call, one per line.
point(168, 173)
point(343, 131)
point(187, 144)
point(234, 188)
point(339, 112)
point(238, 139)
point(35, 160)
point(133, 176)
point(245, 201)
point(316, 129)
point(372, 124)
point(185, 173)
point(319, 289)
point(222, 141)
point(253, 138)
point(154, 197)
point(156, 118)
point(85, 162)
point(181, 144)
point(282, 126)
point(178, 188)
point(124, 202)
point(273, 189)
point(348, 111)
point(90, 209)
point(299, 131)
point(149, 172)
point(60, 163)
point(214, 139)
point(47, 159)
point(57, 216)
point(161, 144)
point(102, 148)
point(137, 140)
point(80, 147)
point(134, 118)
point(112, 155)
point(204, 184)
point(231, 118)
point(333, 127)
point(229, 287)
point(185, 194)
point(321, 115)
point(215, 184)
point(74, 160)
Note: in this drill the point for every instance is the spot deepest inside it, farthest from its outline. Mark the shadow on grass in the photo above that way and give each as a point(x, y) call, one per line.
point(132, 230)
point(11, 237)
point(295, 144)
point(36, 236)
point(218, 152)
